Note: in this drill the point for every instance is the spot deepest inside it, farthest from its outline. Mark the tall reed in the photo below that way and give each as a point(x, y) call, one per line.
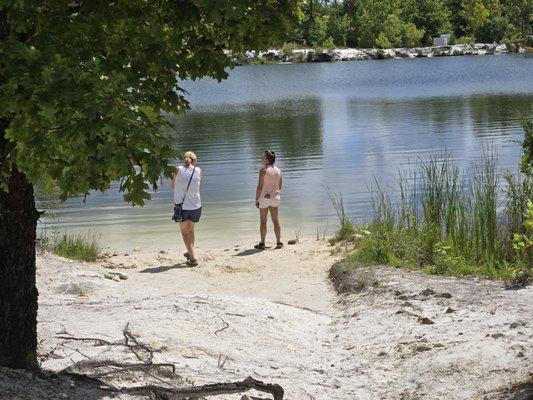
point(441, 217)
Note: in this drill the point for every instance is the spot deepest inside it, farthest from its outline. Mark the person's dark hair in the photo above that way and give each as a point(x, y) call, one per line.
point(270, 156)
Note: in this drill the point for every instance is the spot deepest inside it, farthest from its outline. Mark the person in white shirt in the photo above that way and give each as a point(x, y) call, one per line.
point(186, 182)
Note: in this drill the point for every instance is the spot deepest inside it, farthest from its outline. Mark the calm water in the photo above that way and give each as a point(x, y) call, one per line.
point(336, 125)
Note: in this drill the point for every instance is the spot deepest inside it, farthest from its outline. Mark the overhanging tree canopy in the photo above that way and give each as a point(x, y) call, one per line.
point(84, 86)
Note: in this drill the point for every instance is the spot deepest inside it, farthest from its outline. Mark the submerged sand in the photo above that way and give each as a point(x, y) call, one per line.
point(275, 316)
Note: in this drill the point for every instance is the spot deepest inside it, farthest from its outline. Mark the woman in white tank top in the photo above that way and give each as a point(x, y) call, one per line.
point(267, 197)
point(186, 182)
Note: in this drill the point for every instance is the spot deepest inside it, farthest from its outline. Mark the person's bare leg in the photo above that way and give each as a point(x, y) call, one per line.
point(193, 237)
point(263, 214)
point(185, 233)
point(191, 251)
point(274, 214)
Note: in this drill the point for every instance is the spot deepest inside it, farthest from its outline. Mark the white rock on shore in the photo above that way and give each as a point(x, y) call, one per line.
point(353, 54)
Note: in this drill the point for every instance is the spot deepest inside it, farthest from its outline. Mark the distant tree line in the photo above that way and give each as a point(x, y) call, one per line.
point(409, 23)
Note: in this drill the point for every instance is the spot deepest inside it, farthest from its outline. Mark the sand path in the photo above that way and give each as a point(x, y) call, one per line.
point(275, 316)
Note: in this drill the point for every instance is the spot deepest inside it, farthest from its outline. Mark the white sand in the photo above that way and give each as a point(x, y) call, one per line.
point(286, 325)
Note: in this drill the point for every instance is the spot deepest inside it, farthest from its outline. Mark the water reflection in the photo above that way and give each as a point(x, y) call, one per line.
point(291, 127)
point(340, 141)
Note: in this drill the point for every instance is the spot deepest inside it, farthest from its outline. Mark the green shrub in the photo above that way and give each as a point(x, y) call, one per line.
point(411, 35)
point(465, 40)
point(513, 36)
point(329, 44)
point(288, 49)
point(382, 41)
point(526, 161)
point(397, 33)
point(518, 191)
point(523, 242)
point(325, 46)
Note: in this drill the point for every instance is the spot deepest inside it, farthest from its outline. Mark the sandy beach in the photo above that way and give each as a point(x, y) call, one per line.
point(275, 316)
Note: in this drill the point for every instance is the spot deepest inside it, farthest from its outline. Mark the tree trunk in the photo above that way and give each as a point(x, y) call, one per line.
point(18, 292)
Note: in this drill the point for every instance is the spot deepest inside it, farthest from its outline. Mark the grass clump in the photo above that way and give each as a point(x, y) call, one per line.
point(77, 247)
point(348, 231)
point(439, 219)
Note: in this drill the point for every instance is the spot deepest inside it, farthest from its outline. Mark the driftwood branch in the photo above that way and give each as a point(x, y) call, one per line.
point(208, 390)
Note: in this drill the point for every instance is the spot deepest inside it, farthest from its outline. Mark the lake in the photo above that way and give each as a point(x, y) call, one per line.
point(332, 125)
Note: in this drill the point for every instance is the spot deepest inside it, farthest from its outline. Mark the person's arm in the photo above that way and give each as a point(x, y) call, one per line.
point(280, 181)
point(259, 186)
point(173, 181)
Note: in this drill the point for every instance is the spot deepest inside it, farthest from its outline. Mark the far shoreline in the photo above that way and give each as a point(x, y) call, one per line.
point(307, 55)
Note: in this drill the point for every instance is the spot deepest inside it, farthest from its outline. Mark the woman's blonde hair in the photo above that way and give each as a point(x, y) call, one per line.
point(189, 157)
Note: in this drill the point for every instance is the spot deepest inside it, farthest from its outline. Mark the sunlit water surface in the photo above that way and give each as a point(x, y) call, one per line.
point(336, 125)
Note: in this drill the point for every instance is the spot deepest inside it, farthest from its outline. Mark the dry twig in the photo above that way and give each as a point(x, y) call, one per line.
point(226, 326)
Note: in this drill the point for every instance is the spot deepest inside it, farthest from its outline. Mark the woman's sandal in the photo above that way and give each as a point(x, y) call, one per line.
point(259, 246)
point(186, 255)
point(279, 245)
point(192, 263)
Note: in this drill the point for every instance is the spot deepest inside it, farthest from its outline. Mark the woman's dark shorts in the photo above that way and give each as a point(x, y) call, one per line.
point(192, 215)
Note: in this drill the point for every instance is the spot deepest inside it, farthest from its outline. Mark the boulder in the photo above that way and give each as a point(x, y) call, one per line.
point(423, 51)
point(348, 55)
point(490, 47)
point(386, 54)
point(500, 49)
point(77, 288)
point(297, 56)
point(249, 55)
point(320, 57)
point(115, 276)
point(272, 54)
point(372, 53)
point(458, 50)
point(404, 53)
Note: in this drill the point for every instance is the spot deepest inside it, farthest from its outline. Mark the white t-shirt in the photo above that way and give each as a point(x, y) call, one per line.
point(192, 197)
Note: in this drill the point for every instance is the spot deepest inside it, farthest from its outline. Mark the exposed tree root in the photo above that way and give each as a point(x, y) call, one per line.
point(97, 369)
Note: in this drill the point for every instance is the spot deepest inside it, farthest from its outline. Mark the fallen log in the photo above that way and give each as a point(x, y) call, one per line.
point(207, 390)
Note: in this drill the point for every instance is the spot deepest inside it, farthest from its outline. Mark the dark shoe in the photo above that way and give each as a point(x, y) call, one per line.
point(279, 245)
point(192, 263)
point(186, 255)
point(259, 246)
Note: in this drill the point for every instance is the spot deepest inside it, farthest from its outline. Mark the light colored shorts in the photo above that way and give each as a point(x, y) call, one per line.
point(271, 202)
